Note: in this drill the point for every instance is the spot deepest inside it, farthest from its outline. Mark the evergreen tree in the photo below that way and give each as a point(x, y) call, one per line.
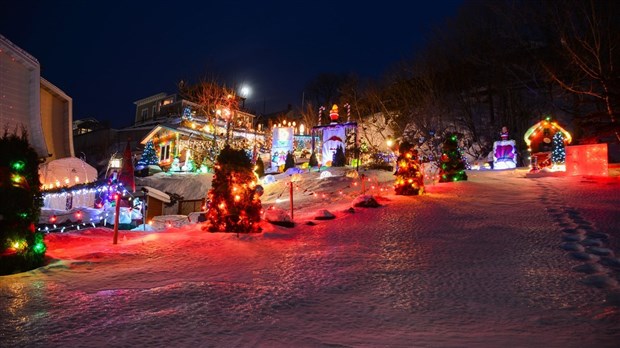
point(21, 247)
point(409, 177)
point(558, 154)
point(339, 159)
point(313, 162)
point(260, 167)
point(452, 165)
point(149, 156)
point(233, 200)
point(289, 162)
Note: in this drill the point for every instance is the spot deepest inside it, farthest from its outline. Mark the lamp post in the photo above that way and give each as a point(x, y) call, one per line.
point(389, 141)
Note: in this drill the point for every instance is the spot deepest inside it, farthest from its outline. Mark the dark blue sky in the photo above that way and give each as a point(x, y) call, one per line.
point(108, 54)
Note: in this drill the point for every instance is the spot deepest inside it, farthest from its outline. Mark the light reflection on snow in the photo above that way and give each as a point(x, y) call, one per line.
point(449, 268)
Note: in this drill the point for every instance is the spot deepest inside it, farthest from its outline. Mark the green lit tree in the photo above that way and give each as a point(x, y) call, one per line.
point(452, 165)
point(149, 156)
point(409, 176)
point(234, 204)
point(558, 154)
point(339, 158)
point(289, 162)
point(21, 247)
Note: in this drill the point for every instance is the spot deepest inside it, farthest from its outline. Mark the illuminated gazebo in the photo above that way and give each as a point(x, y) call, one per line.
point(539, 141)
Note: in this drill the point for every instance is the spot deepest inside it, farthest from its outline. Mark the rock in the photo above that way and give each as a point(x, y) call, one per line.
point(288, 224)
point(350, 210)
point(366, 201)
point(277, 215)
point(325, 215)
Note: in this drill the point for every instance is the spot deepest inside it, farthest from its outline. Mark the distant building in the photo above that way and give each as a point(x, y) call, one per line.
point(160, 107)
point(29, 102)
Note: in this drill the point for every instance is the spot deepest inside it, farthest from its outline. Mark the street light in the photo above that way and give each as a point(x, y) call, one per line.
point(389, 141)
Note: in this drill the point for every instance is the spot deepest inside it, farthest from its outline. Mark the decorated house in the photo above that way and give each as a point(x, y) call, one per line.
point(186, 140)
point(539, 140)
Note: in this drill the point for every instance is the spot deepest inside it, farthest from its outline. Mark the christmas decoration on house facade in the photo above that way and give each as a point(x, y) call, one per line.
point(21, 247)
point(234, 203)
point(451, 163)
point(409, 176)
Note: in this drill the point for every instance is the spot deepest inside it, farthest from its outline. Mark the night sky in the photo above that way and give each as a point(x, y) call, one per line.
point(108, 54)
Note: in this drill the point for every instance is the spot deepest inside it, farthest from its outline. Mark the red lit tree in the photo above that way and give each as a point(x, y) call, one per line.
point(409, 176)
point(234, 204)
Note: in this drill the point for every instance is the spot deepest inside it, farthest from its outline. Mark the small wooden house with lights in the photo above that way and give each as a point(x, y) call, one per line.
point(540, 144)
point(179, 141)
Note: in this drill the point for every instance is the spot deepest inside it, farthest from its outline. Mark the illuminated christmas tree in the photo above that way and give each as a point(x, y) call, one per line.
point(409, 176)
point(259, 168)
point(558, 154)
point(149, 156)
point(234, 202)
point(452, 165)
point(339, 159)
point(21, 248)
point(289, 162)
point(313, 162)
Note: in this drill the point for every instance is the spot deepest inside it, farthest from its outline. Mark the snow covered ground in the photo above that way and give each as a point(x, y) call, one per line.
point(499, 260)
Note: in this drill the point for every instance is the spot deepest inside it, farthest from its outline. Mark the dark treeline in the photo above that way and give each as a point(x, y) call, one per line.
point(497, 63)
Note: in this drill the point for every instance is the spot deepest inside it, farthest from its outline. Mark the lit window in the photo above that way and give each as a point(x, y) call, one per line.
point(115, 163)
point(164, 153)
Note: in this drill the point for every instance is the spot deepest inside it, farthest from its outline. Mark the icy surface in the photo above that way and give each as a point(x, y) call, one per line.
point(481, 263)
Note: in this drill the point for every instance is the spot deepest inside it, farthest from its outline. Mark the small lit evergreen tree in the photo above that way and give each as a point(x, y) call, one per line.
point(339, 159)
point(289, 162)
point(452, 165)
point(21, 247)
point(149, 156)
point(558, 154)
point(259, 167)
point(234, 203)
point(409, 176)
point(313, 162)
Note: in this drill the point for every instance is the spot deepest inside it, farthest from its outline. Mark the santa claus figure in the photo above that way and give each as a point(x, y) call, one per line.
point(333, 113)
